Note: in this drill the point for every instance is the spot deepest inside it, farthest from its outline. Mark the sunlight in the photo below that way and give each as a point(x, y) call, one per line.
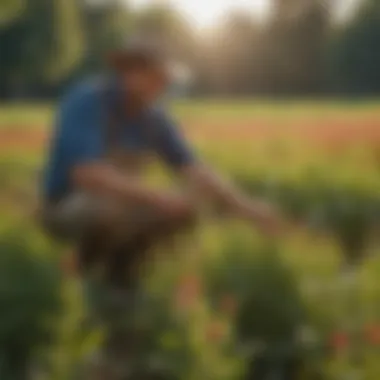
point(203, 14)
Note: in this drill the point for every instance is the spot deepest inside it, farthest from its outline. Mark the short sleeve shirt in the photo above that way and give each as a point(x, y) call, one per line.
point(79, 136)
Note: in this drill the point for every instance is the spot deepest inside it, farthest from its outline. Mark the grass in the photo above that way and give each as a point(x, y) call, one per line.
point(35, 115)
point(302, 143)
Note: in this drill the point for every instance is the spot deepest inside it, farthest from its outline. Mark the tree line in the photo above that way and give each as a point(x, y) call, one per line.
point(301, 49)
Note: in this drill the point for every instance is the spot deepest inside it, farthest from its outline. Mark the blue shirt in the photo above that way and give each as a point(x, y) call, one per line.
point(79, 135)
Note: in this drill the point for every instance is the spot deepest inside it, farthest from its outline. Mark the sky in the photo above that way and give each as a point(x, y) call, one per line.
point(205, 13)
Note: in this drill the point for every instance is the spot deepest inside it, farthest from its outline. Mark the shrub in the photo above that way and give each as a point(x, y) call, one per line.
point(29, 302)
point(269, 312)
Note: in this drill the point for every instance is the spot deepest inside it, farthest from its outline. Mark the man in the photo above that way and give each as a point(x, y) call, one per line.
point(106, 131)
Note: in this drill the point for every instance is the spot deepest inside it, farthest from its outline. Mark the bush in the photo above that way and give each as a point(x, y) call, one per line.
point(269, 313)
point(29, 302)
point(349, 214)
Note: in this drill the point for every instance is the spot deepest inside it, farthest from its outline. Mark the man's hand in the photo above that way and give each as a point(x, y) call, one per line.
point(174, 205)
point(265, 217)
point(209, 185)
point(104, 180)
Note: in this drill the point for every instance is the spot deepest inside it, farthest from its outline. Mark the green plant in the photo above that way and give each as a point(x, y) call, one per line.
point(29, 303)
point(269, 313)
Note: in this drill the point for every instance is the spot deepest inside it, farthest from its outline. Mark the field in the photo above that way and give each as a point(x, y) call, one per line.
point(320, 163)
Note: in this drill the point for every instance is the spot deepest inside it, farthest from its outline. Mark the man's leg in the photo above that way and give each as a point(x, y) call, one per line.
point(123, 350)
point(119, 239)
point(114, 312)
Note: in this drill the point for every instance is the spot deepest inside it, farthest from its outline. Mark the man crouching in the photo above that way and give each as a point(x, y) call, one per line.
point(107, 131)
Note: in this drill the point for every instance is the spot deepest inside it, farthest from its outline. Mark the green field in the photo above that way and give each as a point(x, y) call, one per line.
point(319, 162)
point(38, 114)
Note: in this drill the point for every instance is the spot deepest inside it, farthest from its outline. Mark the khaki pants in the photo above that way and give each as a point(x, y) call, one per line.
point(114, 240)
point(75, 216)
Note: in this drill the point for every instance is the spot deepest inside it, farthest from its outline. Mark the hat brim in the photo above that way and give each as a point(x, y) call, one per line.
point(174, 71)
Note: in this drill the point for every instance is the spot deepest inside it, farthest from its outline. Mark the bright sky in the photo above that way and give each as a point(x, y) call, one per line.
point(203, 13)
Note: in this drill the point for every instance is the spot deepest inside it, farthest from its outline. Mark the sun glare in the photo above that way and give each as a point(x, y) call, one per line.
point(204, 13)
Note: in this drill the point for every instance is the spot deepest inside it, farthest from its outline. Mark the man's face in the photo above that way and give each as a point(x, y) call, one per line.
point(146, 84)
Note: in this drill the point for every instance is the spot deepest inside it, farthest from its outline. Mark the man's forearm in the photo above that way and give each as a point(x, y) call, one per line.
point(223, 192)
point(207, 184)
point(238, 204)
point(104, 180)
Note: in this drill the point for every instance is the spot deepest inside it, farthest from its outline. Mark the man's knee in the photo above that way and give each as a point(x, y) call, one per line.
point(184, 219)
point(189, 217)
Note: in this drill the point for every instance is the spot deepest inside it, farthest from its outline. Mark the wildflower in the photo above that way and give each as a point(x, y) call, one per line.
point(188, 292)
point(228, 304)
point(216, 332)
point(372, 333)
point(339, 341)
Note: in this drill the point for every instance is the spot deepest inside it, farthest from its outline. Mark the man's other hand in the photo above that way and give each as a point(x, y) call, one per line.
point(174, 205)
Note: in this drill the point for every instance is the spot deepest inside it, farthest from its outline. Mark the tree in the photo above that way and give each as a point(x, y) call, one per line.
point(10, 10)
point(355, 56)
point(106, 24)
point(228, 59)
point(295, 47)
point(46, 43)
point(69, 40)
point(238, 44)
point(40, 44)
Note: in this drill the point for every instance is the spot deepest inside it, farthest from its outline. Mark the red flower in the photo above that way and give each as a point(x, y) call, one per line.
point(216, 332)
point(372, 333)
point(228, 304)
point(339, 341)
point(188, 291)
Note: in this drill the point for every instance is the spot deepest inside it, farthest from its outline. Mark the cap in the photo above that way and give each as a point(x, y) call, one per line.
point(143, 51)
point(137, 51)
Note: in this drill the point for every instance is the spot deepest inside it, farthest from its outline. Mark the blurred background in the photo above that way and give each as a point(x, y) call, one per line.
point(282, 96)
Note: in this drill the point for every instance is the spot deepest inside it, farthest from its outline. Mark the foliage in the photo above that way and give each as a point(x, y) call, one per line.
point(51, 41)
point(29, 301)
point(299, 51)
point(268, 309)
point(354, 55)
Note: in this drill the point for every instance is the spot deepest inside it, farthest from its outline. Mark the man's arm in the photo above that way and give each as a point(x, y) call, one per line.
point(205, 184)
point(103, 179)
point(83, 146)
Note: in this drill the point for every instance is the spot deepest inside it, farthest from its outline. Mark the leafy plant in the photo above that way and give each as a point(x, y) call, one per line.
point(29, 303)
point(269, 312)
